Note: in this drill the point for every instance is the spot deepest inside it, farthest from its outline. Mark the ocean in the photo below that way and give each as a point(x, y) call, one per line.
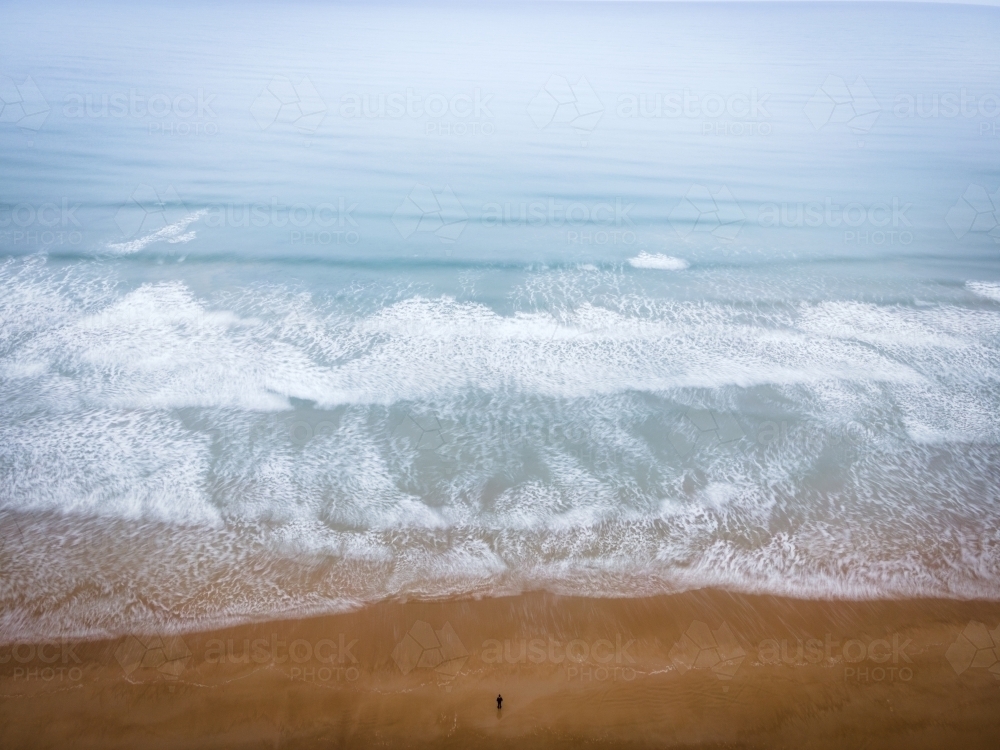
point(308, 307)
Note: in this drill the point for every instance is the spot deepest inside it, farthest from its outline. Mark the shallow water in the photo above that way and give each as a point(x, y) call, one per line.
point(310, 307)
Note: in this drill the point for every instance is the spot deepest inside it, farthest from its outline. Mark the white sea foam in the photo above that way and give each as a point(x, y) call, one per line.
point(159, 347)
point(985, 289)
point(172, 233)
point(622, 445)
point(658, 262)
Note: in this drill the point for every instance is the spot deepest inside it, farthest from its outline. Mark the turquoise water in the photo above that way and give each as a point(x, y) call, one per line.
point(308, 306)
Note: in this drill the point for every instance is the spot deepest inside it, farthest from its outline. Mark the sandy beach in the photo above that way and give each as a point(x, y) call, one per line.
point(699, 669)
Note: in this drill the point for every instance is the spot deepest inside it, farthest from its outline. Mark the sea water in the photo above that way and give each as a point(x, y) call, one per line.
point(308, 306)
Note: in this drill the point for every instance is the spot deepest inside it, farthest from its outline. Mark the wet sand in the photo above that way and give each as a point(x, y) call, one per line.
point(700, 669)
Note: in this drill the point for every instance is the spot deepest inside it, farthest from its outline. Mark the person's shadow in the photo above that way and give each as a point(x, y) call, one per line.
point(499, 714)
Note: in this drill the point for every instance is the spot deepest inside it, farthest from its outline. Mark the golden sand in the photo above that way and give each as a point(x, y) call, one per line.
point(700, 669)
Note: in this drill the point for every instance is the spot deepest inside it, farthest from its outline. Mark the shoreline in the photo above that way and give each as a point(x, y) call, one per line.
point(700, 669)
